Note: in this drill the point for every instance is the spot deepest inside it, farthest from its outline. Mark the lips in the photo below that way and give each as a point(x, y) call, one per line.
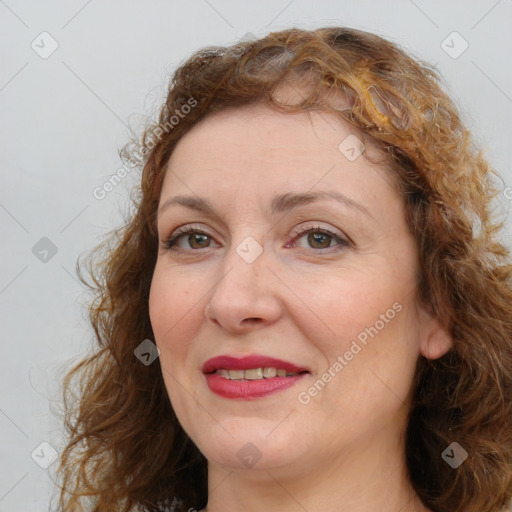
point(249, 377)
point(248, 363)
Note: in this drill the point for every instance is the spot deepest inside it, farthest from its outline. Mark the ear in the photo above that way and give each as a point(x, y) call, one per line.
point(434, 339)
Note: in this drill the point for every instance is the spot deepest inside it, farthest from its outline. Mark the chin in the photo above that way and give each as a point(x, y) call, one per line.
point(248, 447)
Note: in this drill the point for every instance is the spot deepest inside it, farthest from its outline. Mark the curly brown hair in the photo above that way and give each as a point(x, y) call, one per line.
point(126, 449)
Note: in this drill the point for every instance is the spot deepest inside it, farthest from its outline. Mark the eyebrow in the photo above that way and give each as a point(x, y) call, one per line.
point(280, 204)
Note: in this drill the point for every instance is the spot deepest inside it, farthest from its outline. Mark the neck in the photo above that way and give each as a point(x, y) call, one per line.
point(370, 476)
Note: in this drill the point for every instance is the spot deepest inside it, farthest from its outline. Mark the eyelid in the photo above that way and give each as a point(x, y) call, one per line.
point(305, 227)
point(186, 228)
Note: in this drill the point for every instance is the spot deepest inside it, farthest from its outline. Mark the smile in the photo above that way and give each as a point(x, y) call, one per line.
point(251, 376)
point(254, 373)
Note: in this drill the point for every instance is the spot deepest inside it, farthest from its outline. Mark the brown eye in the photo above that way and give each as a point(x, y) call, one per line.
point(189, 239)
point(320, 240)
point(317, 240)
point(198, 241)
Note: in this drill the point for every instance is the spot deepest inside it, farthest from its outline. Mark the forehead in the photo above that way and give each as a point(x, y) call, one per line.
point(260, 124)
point(256, 151)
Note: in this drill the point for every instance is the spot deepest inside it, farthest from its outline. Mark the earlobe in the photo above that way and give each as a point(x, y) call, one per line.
point(435, 341)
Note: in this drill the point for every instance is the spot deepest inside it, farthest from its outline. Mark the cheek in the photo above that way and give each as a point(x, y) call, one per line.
point(176, 309)
point(171, 295)
point(162, 304)
point(174, 314)
point(366, 318)
point(171, 305)
point(340, 309)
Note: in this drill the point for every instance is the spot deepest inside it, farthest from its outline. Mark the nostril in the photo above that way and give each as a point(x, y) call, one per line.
point(252, 320)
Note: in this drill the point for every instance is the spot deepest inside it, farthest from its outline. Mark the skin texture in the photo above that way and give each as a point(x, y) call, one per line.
point(302, 303)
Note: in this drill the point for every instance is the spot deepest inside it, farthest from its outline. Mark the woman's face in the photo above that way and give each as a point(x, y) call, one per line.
point(286, 317)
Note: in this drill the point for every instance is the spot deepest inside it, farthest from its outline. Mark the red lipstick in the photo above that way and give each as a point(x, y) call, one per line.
point(243, 388)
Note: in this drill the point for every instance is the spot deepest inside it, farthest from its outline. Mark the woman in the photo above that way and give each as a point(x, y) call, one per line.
point(310, 308)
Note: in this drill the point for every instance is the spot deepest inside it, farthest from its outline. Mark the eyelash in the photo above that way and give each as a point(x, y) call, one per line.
point(170, 243)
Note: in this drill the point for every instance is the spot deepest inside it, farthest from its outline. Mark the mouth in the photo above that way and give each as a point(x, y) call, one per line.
point(251, 376)
point(255, 373)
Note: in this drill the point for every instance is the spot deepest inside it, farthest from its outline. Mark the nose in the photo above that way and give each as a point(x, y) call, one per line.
point(246, 297)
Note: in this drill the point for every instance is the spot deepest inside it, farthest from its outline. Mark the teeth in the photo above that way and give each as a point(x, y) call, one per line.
point(254, 373)
point(268, 373)
point(236, 374)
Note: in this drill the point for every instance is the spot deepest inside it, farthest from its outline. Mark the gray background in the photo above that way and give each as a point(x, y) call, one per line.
point(65, 116)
